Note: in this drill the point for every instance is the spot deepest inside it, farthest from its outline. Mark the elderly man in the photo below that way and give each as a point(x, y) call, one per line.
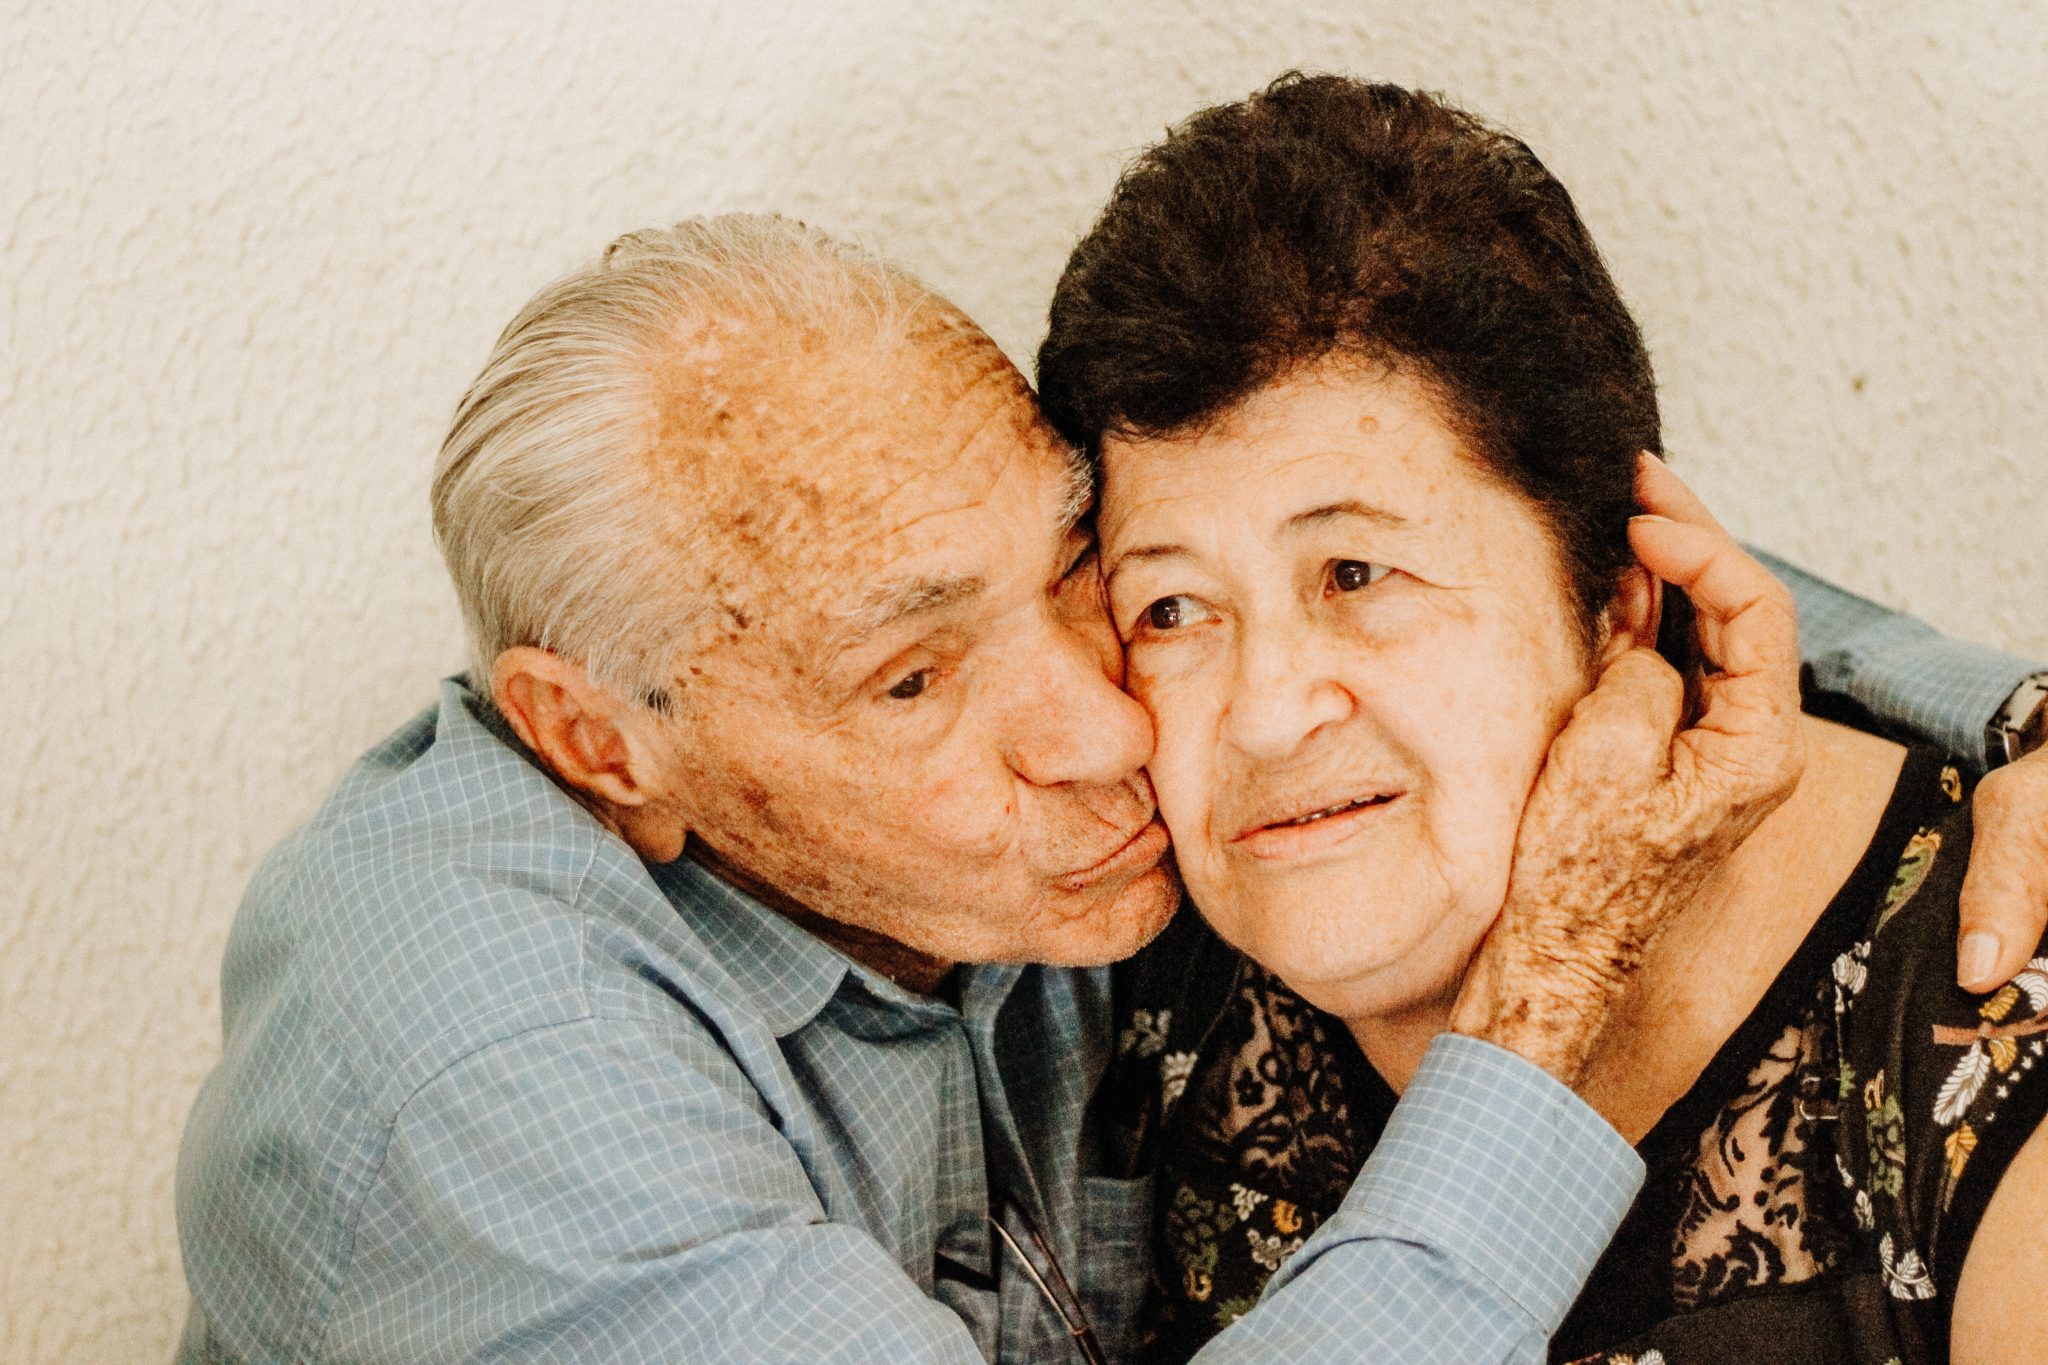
point(711, 975)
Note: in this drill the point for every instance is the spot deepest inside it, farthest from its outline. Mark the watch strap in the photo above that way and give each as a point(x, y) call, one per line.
point(2021, 724)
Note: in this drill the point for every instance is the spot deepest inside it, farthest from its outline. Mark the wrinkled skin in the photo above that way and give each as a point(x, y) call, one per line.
point(1327, 602)
point(963, 783)
point(966, 783)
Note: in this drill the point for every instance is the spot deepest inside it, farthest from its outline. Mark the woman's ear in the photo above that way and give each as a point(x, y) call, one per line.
point(1633, 616)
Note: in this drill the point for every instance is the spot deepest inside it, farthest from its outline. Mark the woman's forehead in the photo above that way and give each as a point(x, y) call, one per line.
point(1292, 452)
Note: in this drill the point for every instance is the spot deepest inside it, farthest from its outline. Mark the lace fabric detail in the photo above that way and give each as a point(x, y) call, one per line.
point(1276, 1103)
point(1810, 1199)
point(1745, 1219)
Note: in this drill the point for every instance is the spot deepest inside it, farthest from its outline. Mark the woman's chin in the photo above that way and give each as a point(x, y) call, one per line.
point(1330, 967)
point(1373, 997)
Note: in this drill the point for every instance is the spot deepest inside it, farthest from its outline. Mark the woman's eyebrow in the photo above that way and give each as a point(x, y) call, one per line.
point(1350, 507)
point(1162, 551)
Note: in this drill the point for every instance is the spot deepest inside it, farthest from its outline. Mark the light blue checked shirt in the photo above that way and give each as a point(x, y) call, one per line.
point(493, 1089)
point(1899, 669)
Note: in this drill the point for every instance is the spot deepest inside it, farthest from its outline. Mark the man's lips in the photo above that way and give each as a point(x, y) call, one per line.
point(1309, 826)
point(1139, 853)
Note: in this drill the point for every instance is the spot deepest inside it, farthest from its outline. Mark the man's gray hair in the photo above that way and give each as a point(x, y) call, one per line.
point(547, 506)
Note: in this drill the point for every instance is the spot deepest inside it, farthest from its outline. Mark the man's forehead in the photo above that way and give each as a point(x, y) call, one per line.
point(811, 468)
point(744, 412)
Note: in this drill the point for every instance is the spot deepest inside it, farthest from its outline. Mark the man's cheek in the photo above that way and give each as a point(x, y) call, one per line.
point(957, 814)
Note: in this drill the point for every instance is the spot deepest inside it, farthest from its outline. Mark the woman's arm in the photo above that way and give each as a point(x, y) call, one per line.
point(2001, 1310)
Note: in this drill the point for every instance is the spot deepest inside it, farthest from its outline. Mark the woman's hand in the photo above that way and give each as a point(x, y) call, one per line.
point(1631, 814)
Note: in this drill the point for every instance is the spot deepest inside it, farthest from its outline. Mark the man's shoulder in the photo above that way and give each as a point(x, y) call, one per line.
point(443, 897)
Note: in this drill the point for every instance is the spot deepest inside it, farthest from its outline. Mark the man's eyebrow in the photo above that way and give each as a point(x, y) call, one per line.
point(1350, 507)
point(896, 601)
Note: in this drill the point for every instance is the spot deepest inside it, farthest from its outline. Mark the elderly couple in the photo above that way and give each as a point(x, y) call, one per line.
point(720, 971)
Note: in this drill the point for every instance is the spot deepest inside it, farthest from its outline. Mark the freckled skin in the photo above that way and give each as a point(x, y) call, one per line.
point(913, 832)
point(1443, 681)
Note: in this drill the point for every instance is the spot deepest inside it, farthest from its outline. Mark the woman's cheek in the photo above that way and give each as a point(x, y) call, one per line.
point(1477, 760)
point(1497, 788)
point(1182, 768)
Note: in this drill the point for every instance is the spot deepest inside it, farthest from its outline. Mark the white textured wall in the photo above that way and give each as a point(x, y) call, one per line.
point(253, 253)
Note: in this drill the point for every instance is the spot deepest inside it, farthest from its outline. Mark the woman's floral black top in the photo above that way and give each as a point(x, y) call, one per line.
point(1809, 1199)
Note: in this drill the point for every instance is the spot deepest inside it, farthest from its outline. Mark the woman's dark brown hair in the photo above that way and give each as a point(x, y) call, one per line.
point(1325, 216)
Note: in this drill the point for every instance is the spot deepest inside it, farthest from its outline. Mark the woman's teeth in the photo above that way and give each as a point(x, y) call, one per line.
point(1334, 810)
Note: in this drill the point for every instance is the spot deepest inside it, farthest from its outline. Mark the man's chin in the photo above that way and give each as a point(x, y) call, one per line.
point(1133, 918)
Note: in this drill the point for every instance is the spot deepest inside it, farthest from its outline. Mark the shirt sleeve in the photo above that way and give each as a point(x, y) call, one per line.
point(611, 1191)
point(1469, 1233)
point(1901, 669)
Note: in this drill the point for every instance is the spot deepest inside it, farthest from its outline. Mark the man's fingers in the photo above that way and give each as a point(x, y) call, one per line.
point(1620, 732)
point(1747, 736)
point(1745, 614)
point(1662, 493)
point(2005, 891)
point(1746, 745)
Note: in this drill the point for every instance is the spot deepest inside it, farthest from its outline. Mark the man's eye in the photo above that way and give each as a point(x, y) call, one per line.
point(1349, 575)
point(912, 685)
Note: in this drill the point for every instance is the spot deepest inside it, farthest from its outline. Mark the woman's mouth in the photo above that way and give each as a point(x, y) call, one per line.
point(1313, 831)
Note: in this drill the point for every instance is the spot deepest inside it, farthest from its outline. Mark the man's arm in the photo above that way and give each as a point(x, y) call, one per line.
point(1468, 1235)
point(610, 1192)
point(1949, 692)
point(1901, 669)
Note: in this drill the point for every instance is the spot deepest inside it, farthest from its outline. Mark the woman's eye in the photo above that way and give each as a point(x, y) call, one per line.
point(912, 685)
point(1349, 575)
point(1168, 613)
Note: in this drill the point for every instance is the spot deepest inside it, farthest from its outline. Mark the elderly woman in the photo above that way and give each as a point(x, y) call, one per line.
point(1368, 411)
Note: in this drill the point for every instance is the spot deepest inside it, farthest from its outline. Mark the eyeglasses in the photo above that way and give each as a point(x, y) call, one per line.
point(1052, 1283)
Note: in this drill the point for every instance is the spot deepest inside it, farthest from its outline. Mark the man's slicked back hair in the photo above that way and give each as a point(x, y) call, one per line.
point(556, 525)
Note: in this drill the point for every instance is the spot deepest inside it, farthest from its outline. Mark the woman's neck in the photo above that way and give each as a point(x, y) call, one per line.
point(1395, 1041)
point(1746, 922)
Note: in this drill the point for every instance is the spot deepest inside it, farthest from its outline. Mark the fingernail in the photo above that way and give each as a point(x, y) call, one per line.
point(1976, 958)
point(1648, 516)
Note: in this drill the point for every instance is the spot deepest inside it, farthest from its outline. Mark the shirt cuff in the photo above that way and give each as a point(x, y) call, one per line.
point(1901, 670)
point(1492, 1162)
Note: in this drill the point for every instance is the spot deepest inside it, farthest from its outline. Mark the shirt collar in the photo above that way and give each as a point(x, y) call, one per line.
point(790, 975)
point(787, 973)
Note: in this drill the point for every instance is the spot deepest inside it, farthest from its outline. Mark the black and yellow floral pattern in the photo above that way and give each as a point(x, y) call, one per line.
point(1810, 1198)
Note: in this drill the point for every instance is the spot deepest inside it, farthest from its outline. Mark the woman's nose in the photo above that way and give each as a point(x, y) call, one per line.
point(1281, 693)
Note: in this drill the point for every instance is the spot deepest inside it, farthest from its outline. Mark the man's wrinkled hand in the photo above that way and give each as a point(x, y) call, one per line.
point(1632, 814)
point(2005, 891)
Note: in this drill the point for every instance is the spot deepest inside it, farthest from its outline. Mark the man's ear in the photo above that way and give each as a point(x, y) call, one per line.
point(587, 736)
point(1633, 616)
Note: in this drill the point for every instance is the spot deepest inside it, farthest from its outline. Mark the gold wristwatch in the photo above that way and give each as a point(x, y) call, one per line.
point(2021, 725)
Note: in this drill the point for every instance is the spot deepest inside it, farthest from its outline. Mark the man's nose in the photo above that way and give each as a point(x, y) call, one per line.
point(1074, 723)
point(1281, 691)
